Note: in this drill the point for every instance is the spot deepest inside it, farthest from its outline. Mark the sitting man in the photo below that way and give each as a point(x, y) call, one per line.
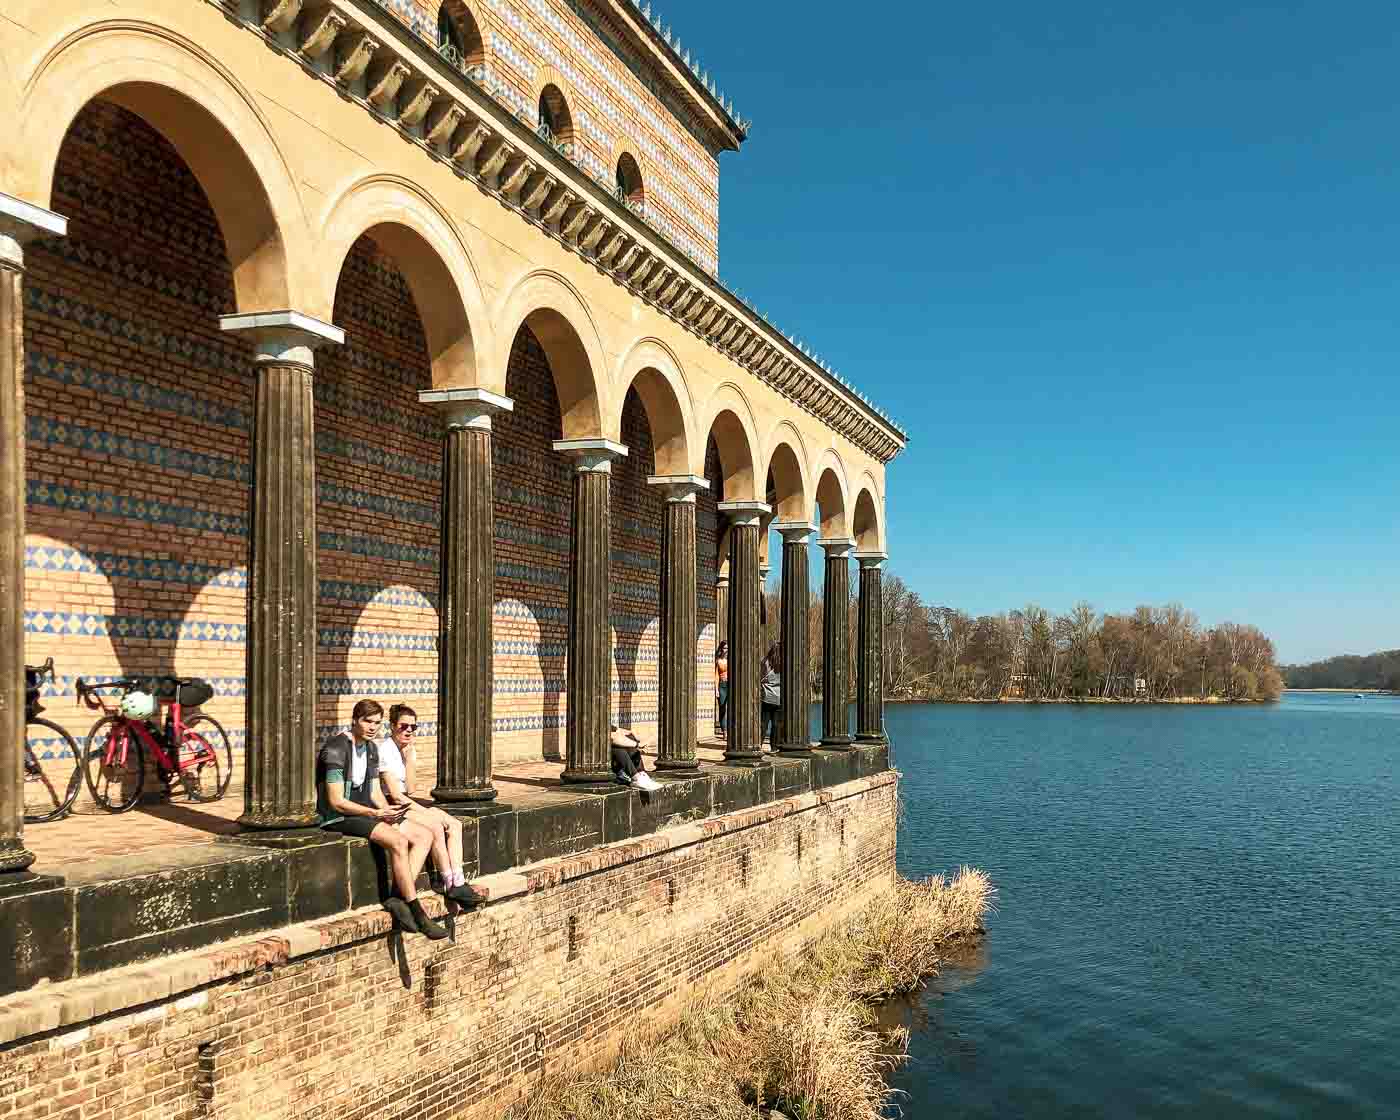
point(398, 756)
point(627, 759)
point(349, 802)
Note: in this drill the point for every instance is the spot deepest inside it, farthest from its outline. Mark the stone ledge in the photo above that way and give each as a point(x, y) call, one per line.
point(51, 1007)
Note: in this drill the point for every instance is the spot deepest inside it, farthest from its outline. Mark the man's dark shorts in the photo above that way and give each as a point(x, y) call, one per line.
point(352, 826)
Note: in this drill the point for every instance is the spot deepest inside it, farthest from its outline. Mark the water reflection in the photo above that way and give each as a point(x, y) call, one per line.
point(921, 1013)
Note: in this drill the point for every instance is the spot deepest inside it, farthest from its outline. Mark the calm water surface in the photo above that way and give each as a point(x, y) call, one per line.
point(1199, 908)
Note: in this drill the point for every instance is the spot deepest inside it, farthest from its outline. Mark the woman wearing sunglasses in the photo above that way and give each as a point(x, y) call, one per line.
point(398, 758)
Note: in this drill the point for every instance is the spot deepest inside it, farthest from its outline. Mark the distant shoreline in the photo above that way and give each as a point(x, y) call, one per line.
point(1367, 691)
point(1208, 700)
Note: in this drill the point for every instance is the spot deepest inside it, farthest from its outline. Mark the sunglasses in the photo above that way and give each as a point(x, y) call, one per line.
point(406, 727)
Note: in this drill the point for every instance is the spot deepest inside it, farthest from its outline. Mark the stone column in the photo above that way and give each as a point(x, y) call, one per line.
point(870, 645)
point(280, 754)
point(20, 223)
point(466, 586)
point(744, 743)
point(836, 649)
point(588, 689)
point(676, 741)
point(721, 609)
point(796, 652)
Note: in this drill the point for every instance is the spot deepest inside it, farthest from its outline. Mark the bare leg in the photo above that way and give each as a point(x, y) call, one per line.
point(396, 847)
point(420, 844)
point(452, 828)
point(427, 820)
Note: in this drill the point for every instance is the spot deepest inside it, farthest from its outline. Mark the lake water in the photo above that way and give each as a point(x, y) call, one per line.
point(1199, 908)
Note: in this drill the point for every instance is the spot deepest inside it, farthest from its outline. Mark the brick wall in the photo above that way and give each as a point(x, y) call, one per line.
point(368, 1026)
point(612, 95)
point(138, 416)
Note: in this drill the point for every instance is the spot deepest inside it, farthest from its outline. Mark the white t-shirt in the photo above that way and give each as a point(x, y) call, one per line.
point(391, 762)
point(359, 762)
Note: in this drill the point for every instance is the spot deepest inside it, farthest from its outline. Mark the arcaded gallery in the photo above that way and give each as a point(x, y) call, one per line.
point(378, 349)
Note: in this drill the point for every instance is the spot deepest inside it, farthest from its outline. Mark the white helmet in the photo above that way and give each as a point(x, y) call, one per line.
point(138, 705)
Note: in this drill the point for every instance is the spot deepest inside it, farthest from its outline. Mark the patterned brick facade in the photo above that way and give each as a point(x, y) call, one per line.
point(138, 472)
point(616, 99)
point(339, 1020)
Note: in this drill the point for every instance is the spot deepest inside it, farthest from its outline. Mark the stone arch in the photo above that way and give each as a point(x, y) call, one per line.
point(412, 228)
point(867, 521)
point(786, 487)
point(206, 116)
point(552, 93)
point(460, 40)
point(832, 497)
point(651, 368)
point(562, 323)
point(729, 423)
point(630, 180)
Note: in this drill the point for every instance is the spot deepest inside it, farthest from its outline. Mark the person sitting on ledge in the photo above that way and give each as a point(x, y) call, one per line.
point(349, 801)
point(398, 756)
point(627, 759)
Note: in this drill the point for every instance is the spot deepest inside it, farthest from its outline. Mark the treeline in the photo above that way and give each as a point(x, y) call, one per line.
point(1154, 653)
point(1375, 670)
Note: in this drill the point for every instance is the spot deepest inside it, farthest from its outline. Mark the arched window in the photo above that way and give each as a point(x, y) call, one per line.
point(459, 39)
point(629, 182)
point(556, 122)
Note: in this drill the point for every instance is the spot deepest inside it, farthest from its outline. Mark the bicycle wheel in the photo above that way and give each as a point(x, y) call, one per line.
point(52, 773)
point(115, 782)
point(206, 759)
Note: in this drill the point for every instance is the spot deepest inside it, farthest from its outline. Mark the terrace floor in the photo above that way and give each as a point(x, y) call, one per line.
point(89, 833)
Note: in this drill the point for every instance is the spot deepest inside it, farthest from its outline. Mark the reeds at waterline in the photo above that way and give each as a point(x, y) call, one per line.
point(798, 1036)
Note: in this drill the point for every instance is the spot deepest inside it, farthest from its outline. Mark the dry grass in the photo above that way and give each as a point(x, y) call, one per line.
point(802, 1039)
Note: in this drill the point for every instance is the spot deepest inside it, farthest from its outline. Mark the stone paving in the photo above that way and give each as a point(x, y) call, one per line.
point(91, 834)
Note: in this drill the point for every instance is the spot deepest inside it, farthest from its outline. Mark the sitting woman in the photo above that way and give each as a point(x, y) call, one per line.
point(627, 759)
point(398, 757)
point(349, 801)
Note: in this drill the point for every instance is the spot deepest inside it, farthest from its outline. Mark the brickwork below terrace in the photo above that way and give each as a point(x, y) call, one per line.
point(341, 1019)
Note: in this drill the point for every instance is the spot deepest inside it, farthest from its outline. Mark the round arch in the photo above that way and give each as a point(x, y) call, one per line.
point(787, 463)
point(410, 226)
point(554, 98)
point(460, 40)
point(832, 497)
point(867, 523)
point(651, 368)
point(558, 317)
point(729, 422)
point(211, 121)
point(631, 180)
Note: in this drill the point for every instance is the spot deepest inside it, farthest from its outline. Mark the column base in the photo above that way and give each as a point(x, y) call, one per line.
point(279, 822)
point(16, 883)
point(14, 857)
point(745, 758)
point(679, 767)
point(588, 777)
point(475, 809)
point(837, 743)
point(450, 797)
point(795, 750)
point(873, 738)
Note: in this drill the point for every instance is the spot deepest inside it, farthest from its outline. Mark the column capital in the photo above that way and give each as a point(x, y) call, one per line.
point(21, 222)
point(283, 336)
point(722, 581)
point(794, 532)
point(467, 408)
point(871, 559)
point(744, 512)
point(591, 454)
point(679, 487)
point(837, 548)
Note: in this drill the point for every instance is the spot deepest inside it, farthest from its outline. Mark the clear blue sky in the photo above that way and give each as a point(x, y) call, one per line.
point(1128, 274)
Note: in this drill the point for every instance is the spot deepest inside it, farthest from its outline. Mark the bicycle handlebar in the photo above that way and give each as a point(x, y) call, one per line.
point(41, 671)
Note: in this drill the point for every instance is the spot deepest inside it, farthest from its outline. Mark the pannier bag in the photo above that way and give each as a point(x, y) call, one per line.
point(192, 695)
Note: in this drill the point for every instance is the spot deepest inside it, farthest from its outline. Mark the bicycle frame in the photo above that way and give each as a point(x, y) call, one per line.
point(173, 734)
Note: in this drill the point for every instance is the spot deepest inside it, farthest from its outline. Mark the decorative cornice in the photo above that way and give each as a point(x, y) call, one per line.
point(372, 58)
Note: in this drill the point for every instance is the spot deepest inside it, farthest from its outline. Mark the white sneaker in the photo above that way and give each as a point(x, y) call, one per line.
point(647, 782)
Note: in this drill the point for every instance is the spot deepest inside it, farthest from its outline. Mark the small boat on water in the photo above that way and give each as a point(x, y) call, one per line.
point(1361, 696)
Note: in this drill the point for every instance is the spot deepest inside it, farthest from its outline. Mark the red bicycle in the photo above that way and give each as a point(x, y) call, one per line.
point(195, 753)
